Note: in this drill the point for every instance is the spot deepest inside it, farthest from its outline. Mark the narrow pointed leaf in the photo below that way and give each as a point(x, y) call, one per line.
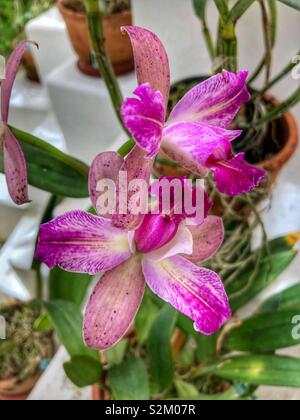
point(287, 299)
point(264, 333)
point(50, 169)
point(160, 350)
point(240, 7)
point(295, 4)
point(260, 370)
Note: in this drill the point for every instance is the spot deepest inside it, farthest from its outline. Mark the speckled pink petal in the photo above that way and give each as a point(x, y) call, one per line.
point(215, 101)
point(82, 243)
point(196, 292)
point(137, 167)
point(144, 118)
point(15, 168)
point(106, 165)
point(207, 239)
point(236, 176)
point(114, 305)
point(181, 243)
point(11, 70)
point(151, 60)
point(192, 144)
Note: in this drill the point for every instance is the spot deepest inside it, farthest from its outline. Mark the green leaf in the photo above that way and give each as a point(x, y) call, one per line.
point(43, 324)
point(260, 370)
point(295, 4)
point(50, 169)
point(83, 371)
point(70, 287)
point(240, 7)
point(129, 381)
point(160, 348)
point(185, 390)
point(145, 318)
point(67, 320)
point(230, 395)
point(116, 354)
point(206, 346)
point(200, 8)
point(287, 299)
point(263, 333)
point(241, 291)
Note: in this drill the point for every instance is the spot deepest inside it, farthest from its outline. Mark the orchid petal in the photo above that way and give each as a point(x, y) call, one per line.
point(192, 144)
point(181, 243)
point(144, 118)
point(236, 176)
point(207, 239)
point(136, 167)
point(82, 243)
point(11, 70)
point(113, 305)
point(215, 101)
point(106, 165)
point(151, 60)
point(15, 168)
point(155, 232)
point(196, 292)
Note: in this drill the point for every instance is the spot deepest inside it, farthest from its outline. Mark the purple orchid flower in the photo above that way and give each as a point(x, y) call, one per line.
point(196, 133)
point(15, 168)
point(161, 253)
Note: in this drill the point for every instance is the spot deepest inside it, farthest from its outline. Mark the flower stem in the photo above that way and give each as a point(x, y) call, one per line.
point(126, 148)
point(278, 111)
point(95, 24)
point(287, 69)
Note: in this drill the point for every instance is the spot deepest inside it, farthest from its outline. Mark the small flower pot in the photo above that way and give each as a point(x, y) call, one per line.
point(12, 387)
point(118, 46)
point(28, 63)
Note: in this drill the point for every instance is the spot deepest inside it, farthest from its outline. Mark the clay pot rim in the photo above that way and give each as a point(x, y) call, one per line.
point(27, 384)
point(80, 16)
point(282, 157)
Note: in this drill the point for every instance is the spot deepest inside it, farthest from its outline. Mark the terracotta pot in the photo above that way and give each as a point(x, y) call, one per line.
point(118, 46)
point(11, 388)
point(290, 134)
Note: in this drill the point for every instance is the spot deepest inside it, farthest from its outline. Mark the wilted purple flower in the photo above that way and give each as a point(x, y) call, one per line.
point(161, 252)
point(15, 168)
point(196, 133)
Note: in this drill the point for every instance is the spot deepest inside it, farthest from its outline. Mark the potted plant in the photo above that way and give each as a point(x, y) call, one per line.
point(13, 18)
point(270, 134)
point(116, 13)
point(25, 351)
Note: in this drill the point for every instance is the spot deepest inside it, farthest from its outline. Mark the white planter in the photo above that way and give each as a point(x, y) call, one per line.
point(84, 111)
point(49, 31)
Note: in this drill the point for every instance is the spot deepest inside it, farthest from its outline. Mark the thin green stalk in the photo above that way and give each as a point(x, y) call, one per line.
point(280, 76)
point(208, 40)
point(95, 24)
point(38, 282)
point(267, 40)
point(278, 111)
point(126, 148)
point(272, 31)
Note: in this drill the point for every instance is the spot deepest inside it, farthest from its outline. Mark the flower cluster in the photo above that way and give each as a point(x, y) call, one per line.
point(163, 250)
